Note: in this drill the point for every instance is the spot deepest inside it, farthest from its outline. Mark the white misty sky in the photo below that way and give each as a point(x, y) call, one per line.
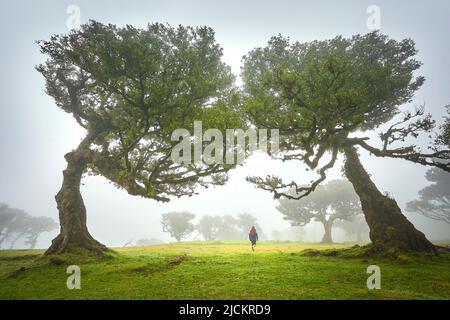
point(35, 134)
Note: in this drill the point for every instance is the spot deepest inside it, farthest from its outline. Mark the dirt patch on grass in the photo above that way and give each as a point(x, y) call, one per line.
point(310, 253)
point(17, 272)
point(367, 252)
point(151, 268)
point(177, 260)
point(56, 261)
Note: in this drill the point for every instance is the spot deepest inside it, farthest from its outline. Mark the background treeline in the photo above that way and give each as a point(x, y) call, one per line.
point(16, 224)
point(180, 226)
point(334, 204)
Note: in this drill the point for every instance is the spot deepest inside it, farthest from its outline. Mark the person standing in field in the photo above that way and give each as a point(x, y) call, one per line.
point(253, 237)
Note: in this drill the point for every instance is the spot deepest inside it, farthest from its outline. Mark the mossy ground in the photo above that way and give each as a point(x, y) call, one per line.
point(225, 270)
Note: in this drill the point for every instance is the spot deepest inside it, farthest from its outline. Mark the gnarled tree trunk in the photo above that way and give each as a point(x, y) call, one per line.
point(72, 212)
point(327, 225)
point(388, 226)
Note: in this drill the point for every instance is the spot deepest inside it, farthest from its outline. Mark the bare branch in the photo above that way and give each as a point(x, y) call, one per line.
point(275, 184)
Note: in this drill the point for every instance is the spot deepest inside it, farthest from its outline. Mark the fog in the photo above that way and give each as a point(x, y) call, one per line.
point(35, 134)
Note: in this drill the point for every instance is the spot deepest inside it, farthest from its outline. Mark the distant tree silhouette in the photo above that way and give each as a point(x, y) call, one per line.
point(355, 229)
point(178, 224)
point(16, 223)
point(13, 224)
point(276, 234)
point(228, 229)
point(245, 222)
point(38, 225)
point(434, 200)
point(209, 226)
point(332, 201)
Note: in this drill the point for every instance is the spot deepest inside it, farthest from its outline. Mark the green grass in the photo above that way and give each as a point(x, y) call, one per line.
point(225, 270)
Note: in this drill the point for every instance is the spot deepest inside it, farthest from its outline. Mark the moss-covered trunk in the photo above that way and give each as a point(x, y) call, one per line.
point(72, 212)
point(388, 226)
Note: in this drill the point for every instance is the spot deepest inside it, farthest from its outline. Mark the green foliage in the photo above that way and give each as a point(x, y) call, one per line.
point(322, 95)
point(130, 88)
point(328, 87)
point(443, 137)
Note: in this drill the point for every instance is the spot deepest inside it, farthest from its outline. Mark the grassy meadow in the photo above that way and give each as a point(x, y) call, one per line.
point(225, 270)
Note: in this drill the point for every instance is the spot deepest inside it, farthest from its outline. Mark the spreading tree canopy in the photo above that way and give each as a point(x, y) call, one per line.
point(129, 89)
point(323, 96)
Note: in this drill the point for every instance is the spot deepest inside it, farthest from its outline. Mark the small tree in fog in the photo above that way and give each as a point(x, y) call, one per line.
point(289, 234)
point(178, 224)
point(276, 235)
point(355, 229)
point(434, 200)
point(38, 225)
point(228, 229)
point(14, 224)
point(335, 200)
point(298, 233)
point(6, 218)
point(245, 222)
point(209, 226)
